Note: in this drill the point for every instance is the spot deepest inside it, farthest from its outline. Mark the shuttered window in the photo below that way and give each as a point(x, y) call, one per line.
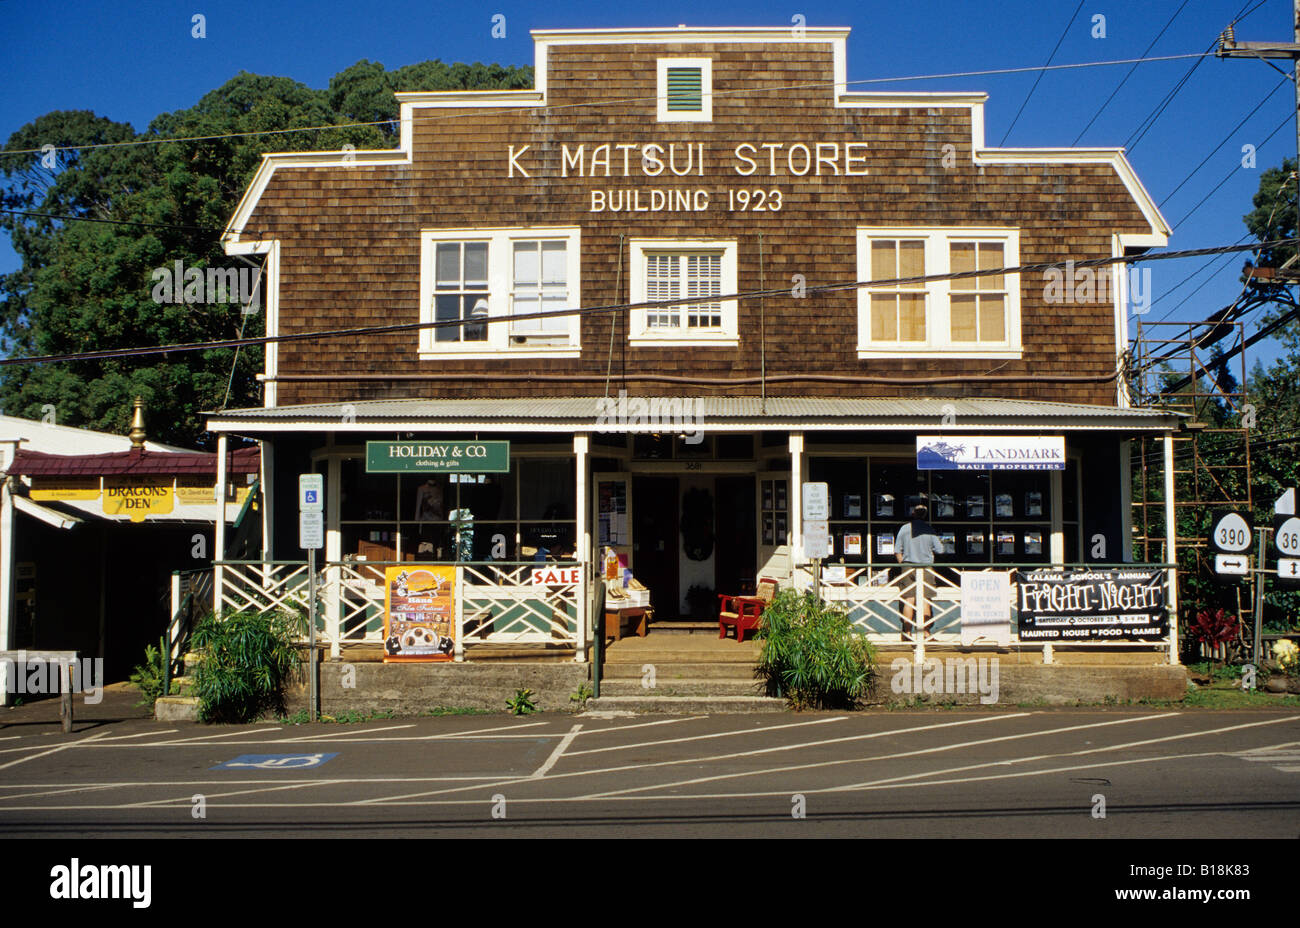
point(678, 276)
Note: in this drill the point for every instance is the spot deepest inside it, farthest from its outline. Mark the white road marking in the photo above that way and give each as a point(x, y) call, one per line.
point(337, 734)
point(618, 728)
point(55, 750)
point(139, 734)
point(183, 800)
point(357, 737)
point(720, 734)
point(1098, 750)
point(559, 750)
point(884, 757)
point(704, 760)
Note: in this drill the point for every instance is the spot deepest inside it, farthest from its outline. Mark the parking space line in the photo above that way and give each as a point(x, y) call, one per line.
point(705, 760)
point(720, 734)
point(1096, 750)
point(54, 750)
point(863, 760)
point(337, 734)
point(559, 750)
point(238, 792)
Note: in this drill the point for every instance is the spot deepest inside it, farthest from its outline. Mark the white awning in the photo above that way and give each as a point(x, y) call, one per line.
point(45, 514)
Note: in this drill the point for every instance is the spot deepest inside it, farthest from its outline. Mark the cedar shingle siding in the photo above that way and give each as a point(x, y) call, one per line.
point(351, 245)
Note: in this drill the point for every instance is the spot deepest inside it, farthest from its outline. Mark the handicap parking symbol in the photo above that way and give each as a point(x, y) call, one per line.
point(275, 761)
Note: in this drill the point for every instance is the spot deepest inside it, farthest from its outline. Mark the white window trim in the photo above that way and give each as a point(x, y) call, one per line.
point(500, 343)
point(938, 343)
point(640, 335)
point(663, 114)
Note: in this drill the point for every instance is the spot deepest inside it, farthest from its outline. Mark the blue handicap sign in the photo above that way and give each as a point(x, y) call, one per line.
point(275, 761)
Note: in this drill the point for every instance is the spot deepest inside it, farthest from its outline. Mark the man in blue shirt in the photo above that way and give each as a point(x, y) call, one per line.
point(916, 545)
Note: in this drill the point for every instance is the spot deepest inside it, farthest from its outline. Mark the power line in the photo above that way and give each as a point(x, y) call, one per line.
point(1230, 173)
point(114, 222)
point(1145, 125)
point(620, 307)
point(1124, 80)
point(1286, 78)
point(1055, 49)
point(597, 103)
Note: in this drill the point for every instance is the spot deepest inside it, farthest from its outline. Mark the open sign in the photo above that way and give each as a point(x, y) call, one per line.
point(554, 576)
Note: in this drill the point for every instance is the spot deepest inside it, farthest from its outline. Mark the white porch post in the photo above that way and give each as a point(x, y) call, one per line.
point(7, 562)
point(219, 533)
point(333, 553)
point(1171, 547)
point(1057, 547)
point(796, 511)
point(267, 458)
point(581, 445)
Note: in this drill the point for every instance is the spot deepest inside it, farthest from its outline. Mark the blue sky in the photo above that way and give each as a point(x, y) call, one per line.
point(131, 60)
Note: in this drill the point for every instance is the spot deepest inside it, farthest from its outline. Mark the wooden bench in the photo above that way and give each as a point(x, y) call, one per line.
point(66, 660)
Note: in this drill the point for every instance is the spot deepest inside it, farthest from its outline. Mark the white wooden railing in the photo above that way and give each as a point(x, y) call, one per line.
point(496, 602)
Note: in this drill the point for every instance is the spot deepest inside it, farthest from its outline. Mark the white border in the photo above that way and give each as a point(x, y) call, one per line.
point(639, 336)
point(499, 344)
point(937, 317)
point(705, 112)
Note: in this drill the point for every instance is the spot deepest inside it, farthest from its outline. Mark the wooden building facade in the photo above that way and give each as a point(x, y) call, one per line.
point(680, 277)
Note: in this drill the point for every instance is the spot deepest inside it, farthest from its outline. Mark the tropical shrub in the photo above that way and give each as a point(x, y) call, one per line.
point(811, 654)
point(148, 677)
point(247, 658)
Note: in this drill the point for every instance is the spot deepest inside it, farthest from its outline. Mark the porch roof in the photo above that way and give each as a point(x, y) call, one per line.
point(706, 413)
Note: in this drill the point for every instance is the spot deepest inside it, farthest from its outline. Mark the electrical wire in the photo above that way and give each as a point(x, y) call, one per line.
point(1124, 80)
point(620, 307)
point(1055, 49)
point(524, 108)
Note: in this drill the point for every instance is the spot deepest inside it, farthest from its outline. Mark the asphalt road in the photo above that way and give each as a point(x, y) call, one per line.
point(1009, 773)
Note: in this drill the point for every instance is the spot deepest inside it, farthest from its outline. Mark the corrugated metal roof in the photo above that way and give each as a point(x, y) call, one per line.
point(782, 410)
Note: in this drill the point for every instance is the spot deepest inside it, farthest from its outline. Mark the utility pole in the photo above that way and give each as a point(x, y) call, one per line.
point(1229, 47)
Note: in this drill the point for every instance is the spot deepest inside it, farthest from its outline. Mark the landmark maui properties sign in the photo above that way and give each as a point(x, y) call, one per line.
point(430, 457)
point(990, 452)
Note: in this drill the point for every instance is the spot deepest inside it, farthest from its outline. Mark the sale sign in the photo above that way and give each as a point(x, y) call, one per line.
point(419, 612)
point(555, 576)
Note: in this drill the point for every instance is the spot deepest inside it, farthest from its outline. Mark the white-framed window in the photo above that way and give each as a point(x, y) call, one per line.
point(476, 275)
point(684, 89)
point(677, 270)
point(968, 317)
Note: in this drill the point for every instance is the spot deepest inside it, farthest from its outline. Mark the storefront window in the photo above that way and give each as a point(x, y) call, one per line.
point(980, 516)
point(526, 513)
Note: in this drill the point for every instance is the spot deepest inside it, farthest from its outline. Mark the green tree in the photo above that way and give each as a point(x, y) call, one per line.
point(87, 286)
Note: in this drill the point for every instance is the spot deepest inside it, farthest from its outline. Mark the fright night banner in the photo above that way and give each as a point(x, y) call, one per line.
point(1092, 605)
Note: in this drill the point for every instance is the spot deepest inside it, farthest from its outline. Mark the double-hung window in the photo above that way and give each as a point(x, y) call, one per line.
point(675, 272)
point(970, 316)
point(470, 277)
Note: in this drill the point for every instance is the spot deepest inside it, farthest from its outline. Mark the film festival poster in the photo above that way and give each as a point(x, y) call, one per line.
point(419, 613)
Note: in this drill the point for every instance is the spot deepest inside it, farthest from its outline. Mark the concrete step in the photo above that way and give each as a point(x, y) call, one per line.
point(683, 650)
point(682, 687)
point(181, 686)
point(192, 659)
point(686, 705)
point(679, 670)
point(176, 709)
point(684, 628)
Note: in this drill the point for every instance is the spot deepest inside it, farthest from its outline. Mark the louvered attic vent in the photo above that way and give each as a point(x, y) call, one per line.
point(685, 90)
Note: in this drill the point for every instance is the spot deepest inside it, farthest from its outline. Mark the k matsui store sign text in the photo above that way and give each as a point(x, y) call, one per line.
point(759, 160)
